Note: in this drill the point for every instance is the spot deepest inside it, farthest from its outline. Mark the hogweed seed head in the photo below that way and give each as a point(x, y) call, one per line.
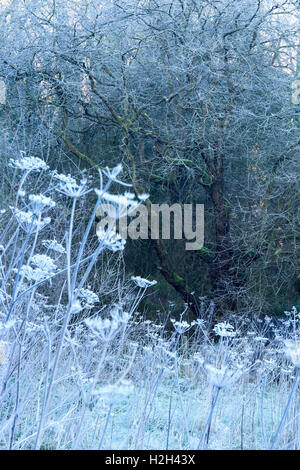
point(43, 262)
point(67, 179)
point(39, 203)
point(112, 175)
point(143, 197)
point(180, 326)
point(28, 163)
point(53, 245)
point(32, 274)
point(106, 328)
point(69, 186)
point(111, 240)
point(224, 376)
point(141, 282)
point(224, 329)
point(124, 202)
point(88, 298)
point(29, 221)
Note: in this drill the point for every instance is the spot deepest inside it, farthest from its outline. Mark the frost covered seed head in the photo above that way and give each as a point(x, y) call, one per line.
point(112, 175)
point(43, 262)
point(67, 179)
point(53, 245)
point(180, 326)
point(124, 203)
point(29, 221)
point(103, 328)
point(106, 328)
point(39, 202)
point(28, 164)
point(69, 187)
point(141, 282)
point(224, 329)
point(222, 377)
point(143, 197)
point(88, 297)
point(112, 241)
point(44, 267)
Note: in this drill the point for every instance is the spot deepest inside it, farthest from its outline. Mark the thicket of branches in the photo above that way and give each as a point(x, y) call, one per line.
point(194, 97)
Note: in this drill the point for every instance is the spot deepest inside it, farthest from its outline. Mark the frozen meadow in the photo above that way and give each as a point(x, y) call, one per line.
point(81, 367)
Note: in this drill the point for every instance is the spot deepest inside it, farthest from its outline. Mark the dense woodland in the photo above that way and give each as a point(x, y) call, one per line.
point(141, 344)
point(198, 101)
